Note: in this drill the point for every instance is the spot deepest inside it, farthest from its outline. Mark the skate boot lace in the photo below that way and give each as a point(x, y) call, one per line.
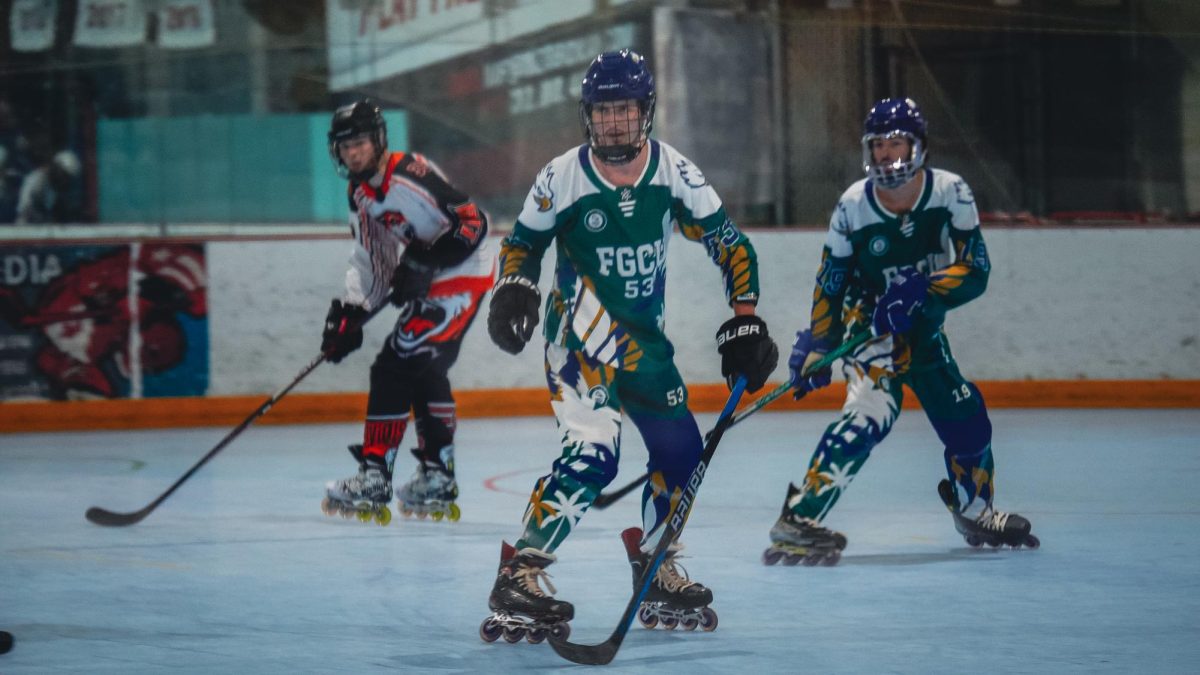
point(357, 482)
point(805, 526)
point(992, 520)
point(529, 577)
point(669, 573)
point(428, 481)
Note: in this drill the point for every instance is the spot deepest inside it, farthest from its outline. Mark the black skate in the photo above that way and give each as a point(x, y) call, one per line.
point(365, 495)
point(796, 540)
point(520, 608)
point(993, 528)
point(672, 599)
point(431, 491)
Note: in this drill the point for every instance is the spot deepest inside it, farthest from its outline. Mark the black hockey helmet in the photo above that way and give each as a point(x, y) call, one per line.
point(363, 117)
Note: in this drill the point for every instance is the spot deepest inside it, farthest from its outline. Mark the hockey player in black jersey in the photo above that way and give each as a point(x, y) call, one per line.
point(420, 243)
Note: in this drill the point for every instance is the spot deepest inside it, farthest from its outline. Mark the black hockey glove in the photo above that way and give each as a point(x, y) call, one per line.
point(343, 330)
point(746, 349)
point(513, 313)
point(412, 278)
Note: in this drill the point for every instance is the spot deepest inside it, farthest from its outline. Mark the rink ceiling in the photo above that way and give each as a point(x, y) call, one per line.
point(239, 571)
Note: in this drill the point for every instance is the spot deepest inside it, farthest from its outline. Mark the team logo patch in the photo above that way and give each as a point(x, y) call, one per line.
point(543, 196)
point(599, 395)
point(962, 193)
point(595, 220)
point(690, 174)
point(878, 245)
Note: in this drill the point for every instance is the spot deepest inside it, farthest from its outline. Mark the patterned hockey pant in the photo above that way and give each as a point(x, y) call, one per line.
point(954, 407)
point(587, 398)
point(410, 372)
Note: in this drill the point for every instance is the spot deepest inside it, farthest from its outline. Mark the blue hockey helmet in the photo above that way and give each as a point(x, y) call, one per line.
point(894, 118)
point(618, 76)
point(362, 117)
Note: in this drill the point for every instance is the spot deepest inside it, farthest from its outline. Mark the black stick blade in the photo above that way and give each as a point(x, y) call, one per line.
point(588, 655)
point(101, 516)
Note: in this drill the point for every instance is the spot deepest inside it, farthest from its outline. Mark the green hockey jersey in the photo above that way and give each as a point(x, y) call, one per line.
point(611, 242)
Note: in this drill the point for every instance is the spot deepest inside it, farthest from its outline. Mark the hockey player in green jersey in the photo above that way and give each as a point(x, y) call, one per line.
point(904, 247)
point(609, 206)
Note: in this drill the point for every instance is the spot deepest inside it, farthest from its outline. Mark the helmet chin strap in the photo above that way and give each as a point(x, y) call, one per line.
point(617, 154)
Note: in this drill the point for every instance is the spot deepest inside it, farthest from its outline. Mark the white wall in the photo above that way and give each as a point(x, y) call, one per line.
point(1062, 304)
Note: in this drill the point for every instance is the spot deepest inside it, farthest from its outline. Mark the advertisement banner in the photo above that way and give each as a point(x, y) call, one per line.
point(31, 25)
point(186, 24)
point(103, 321)
point(110, 23)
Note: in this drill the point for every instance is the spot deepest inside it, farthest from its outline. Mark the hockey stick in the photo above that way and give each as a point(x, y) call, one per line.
point(605, 651)
point(605, 500)
point(101, 516)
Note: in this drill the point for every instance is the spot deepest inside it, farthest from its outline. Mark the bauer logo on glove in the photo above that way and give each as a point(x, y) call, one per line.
point(746, 349)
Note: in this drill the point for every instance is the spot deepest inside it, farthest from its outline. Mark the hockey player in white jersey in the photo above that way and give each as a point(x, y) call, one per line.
point(420, 243)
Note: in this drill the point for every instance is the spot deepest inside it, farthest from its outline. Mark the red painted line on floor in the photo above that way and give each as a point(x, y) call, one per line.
point(490, 483)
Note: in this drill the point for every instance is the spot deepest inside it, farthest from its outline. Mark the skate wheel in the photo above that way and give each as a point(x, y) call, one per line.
point(811, 560)
point(561, 630)
point(345, 511)
point(328, 507)
point(364, 516)
point(513, 635)
point(489, 630)
point(791, 559)
point(437, 516)
point(669, 622)
point(647, 617)
point(421, 515)
point(1032, 541)
point(406, 511)
point(771, 556)
point(689, 623)
point(455, 513)
point(973, 541)
point(383, 516)
point(831, 559)
point(535, 636)
point(708, 619)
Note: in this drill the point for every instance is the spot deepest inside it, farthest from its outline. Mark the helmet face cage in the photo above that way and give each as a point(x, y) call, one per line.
point(637, 131)
point(888, 119)
point(350, 121)
point(612, 77)
point(893, 175)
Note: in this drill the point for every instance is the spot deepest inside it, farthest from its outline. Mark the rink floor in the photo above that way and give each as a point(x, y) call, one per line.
point(239, 571)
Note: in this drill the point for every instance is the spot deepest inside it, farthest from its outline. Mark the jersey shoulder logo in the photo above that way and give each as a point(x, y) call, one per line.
point(841, 221)
point(595, 220)
point(962, 192)
point(690, 174)
point(418, 166)
point(543, 195)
